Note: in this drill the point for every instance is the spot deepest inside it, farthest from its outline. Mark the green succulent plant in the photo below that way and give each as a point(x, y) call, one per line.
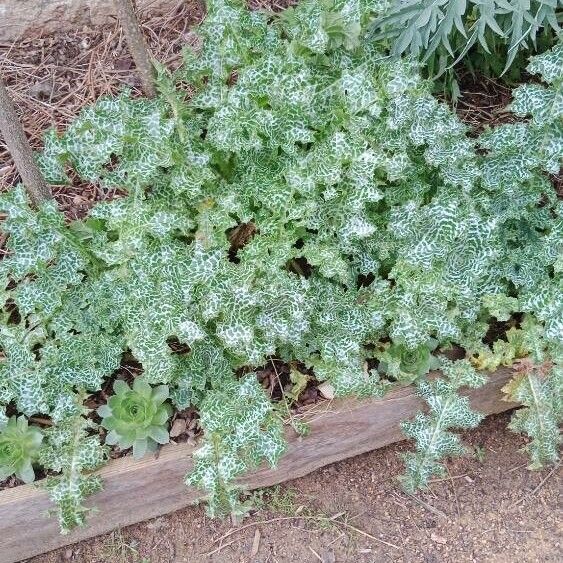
point(136, 417)
point(406, 364)
point(19, 446)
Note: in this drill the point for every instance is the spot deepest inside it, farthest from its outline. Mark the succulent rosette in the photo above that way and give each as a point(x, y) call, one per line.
point(407, 364)
point(19, 447)
point(136, 417)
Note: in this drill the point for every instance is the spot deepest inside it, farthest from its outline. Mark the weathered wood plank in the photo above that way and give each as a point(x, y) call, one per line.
point(138, 490)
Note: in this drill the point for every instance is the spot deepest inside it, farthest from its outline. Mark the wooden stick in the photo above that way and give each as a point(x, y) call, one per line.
point(18, 145)
point(137, 45)
point(138, 490)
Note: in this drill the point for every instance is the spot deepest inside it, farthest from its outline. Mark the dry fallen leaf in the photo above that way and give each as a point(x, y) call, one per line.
point(326, 390)
point(178, 427)
point(255, 543)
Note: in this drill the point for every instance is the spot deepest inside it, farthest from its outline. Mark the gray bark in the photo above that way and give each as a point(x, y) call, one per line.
point(137, 45)
point(18, 145)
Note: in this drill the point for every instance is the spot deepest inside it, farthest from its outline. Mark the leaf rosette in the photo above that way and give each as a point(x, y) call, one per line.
point(19, 447)
point(405, 364)
point(136, 417)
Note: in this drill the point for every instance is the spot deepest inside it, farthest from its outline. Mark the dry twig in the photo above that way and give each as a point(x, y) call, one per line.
point(18, 145)
point(315, 518)
point(537, 488)
point(137, 45)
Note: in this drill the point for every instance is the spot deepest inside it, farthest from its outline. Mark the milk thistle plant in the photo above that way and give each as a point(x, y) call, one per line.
point(416, 236)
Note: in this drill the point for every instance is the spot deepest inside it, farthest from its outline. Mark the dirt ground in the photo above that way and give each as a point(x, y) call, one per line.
point(489, 508)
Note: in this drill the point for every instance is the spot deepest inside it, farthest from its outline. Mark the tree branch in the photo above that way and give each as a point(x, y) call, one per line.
point(19, 148)
point(137, 45)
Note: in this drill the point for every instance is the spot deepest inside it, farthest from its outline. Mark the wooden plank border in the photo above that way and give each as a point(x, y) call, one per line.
point(139, 490)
